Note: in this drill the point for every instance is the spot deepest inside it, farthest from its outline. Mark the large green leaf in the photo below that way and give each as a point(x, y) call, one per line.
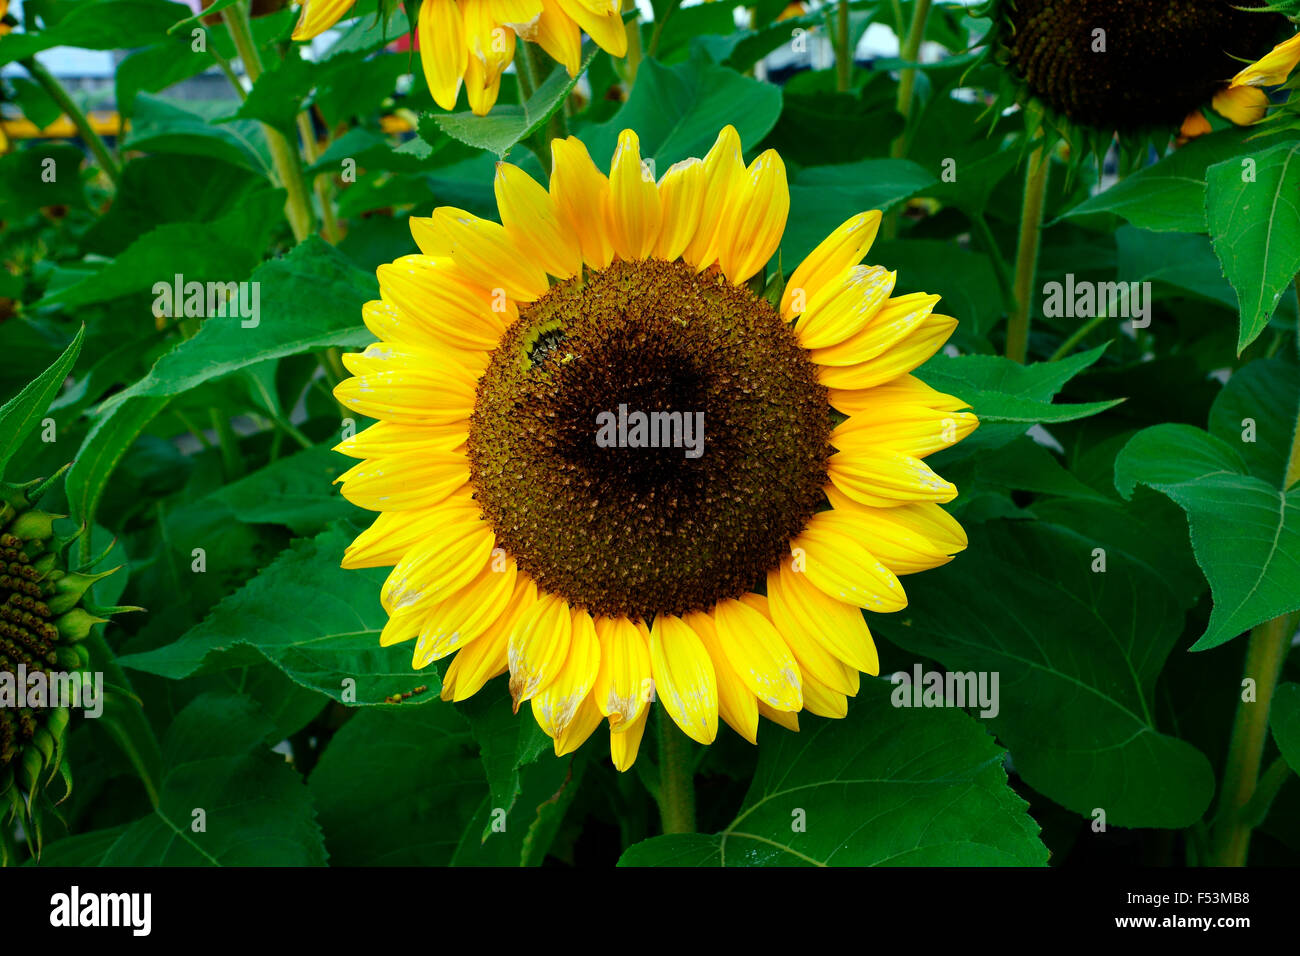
point(296, 491)
point(101, 451)
point(1254, 217)
point(315, 621)
point(21, 414)
point(395, 787)
point(677, 112)
point(257, 812)
point(883, 787)
point(1078, 652)
point(1167, 196)
point(1245, 531)
point(107, 25)
point(160, 126)
point(309, 299)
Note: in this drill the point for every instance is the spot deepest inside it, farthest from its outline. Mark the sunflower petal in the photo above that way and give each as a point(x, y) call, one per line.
point(841, 250)
point(685, 682)
point(635, 216)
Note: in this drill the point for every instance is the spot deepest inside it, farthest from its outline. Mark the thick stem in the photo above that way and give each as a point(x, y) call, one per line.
point(60, 96)
point(909, 52)
point(283, 155)
point(843, 55)
point(676, 777)
point(1031, 227)
point(329, 224)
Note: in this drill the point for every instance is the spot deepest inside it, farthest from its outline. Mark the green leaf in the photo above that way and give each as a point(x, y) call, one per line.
point(312, 619)
point(309, 299)
point(1245, 531)
point(106, 25)
point(1256, 229)
point(508, 744)
point(965, 280)
point(101, 451)
point(1256, 414)
point(1167, 196)
point(1008, 396)
point(1078, 652)
point(883, 787)
point(822, 197)
point(677, 112)
point(159, 126)
point(1284, 719)
point(506, 125)
point(24, 175)
point(21, 414)
point(296, 491)
point(257, 812)
point(395, 786)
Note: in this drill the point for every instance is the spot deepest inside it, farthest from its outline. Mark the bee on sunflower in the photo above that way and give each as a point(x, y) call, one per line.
point(471, 42)
point(725, 585)
point(1139, 69)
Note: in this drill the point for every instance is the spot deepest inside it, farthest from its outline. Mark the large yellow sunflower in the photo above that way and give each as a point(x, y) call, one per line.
point(473, 41)
point(723, 575)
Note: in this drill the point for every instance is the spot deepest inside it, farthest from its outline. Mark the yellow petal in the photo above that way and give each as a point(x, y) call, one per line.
point(840, 567)
point(318, 16)
point(797, 603)
point(1243, 105)
point(681, 193)
point(580, 728)
point(788, 719)
point(757, 208)
point(841, 250)
point(556, 705)
point(760, 657)
point(624, 744)
point(906, 539)
point(485, 253)
point(418, 479)
point(437, 569)
point(634, 213)
point(881, 478)
point(488, 655)
point(799, 633)
point(1274, 67)
point(908, 429)
point(581, 191)
point(558, 35)
point(736, 702)
point(624, 685)
point(824, 701)
point(434, 296)
point(427, 397)
point(903, 356)
point(905, 389)
point(845, 306)
point(533, 225)
point(605, 28)
point(892, 322)
point(519, 15)
point(386, 439)
point(390, 536)
point(444, 53)
point(539, 646)
point(1193, 126)
point(461, 618)
point(684, 678)
point(724, 169)
point(483, 83)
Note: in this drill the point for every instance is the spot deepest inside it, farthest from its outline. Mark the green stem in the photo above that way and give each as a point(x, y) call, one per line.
point(60, 96)
point(632, 62)
point(1265, 652)
point(1031, 226)
point(843, 55)
point(229, 71)
point(283, 155)
point(909, 52)
point(1077, 336)
point(329, 224)
point(676, 777)
point(1003, 274)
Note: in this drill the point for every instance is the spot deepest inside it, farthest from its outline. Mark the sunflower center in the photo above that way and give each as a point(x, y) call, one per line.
point(1127, 65)
point(27, 638)
point(648, 440)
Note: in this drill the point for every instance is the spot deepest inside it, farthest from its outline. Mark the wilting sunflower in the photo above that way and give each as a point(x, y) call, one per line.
point(473, 41)
point(723, 575)
point(1134, 67)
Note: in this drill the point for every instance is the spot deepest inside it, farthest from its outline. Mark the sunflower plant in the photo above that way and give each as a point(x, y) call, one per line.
point(573, 433)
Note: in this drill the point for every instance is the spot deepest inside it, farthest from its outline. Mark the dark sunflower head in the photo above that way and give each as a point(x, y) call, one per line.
point(44, 617)
point(648, 439)
point(1126, 66)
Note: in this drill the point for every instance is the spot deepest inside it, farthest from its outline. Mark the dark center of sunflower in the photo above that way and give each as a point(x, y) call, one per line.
point(648, 440)
point(1129, 65)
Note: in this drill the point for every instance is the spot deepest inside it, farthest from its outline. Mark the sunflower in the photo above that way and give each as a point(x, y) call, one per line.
point(723, 575)
point(473, 41)
point(1273, 68)
point(1138, 68)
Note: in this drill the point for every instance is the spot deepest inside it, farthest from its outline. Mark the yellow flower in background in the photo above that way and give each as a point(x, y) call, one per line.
point(1273, 68)
point(1242, 105)
point(607, 466)
point(473, 41)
